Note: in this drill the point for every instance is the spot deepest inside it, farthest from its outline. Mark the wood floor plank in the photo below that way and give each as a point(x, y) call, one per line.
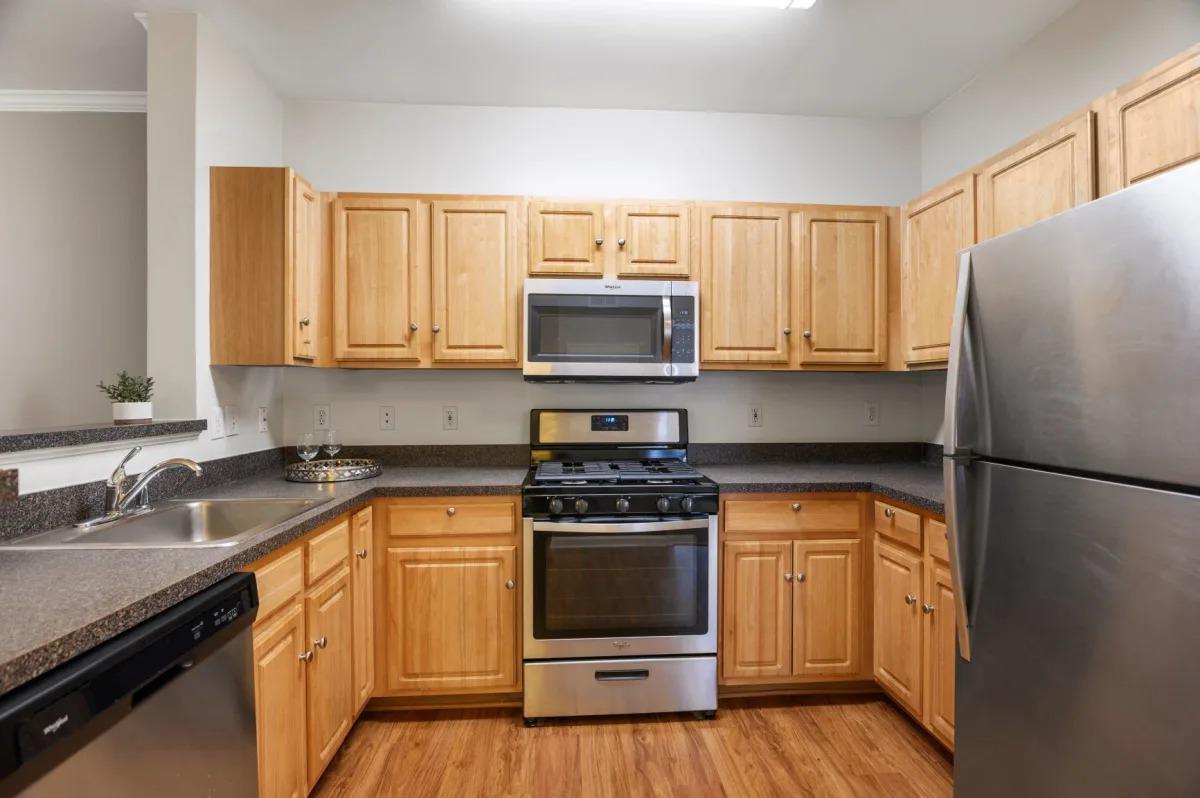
point(810, 746)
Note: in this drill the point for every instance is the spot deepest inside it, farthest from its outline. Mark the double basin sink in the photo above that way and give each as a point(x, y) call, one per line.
point(177, 524)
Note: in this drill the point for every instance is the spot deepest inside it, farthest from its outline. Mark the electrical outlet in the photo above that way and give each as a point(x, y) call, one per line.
point(262, 420)
point(756, 417)
point(231, 421)
point(387, 417)
point(320, 416)
point(870, 414)
point(216, 424)
point(450, 417)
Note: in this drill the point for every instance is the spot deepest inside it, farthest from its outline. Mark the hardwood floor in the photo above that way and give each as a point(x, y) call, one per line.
point(855, 746)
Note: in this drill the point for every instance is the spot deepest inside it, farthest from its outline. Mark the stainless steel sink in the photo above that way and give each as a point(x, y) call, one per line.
point(201, 523)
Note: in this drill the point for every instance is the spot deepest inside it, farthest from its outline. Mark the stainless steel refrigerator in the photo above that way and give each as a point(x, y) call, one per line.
point(1072, 467)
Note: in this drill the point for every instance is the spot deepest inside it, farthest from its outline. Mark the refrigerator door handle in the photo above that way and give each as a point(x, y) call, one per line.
point(957, 456)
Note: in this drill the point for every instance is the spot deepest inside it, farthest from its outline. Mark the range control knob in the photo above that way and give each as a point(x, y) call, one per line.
point(622, 505)
point(664, 504)
point(581, 506)
point(687, 504)
point(555, 506)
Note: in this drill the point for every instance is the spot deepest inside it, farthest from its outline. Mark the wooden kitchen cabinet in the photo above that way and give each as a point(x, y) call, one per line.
point(841, 256)
point(330, 619)
point(380, 278)
point(745, 288)
point(1152, 124)
point(265, 267)
point(451, 618)
point(362, 579)
point(898, 623)
point(654, 241)
point(937, 226)
point(826, 616)
point(476, 280)
point(279, 698)
point(938, 632)
point(566, 239)
point(756, 631)
point(1047, 174)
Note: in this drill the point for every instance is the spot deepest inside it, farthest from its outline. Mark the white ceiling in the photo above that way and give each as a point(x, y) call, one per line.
point(844, 57)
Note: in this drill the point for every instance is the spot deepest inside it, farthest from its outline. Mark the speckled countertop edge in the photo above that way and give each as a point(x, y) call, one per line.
point(192, 570)
point(29, 440)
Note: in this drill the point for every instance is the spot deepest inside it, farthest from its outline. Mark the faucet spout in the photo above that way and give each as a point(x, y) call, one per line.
point(146, 478)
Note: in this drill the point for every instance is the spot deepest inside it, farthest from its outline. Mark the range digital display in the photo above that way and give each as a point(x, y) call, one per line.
point(610, 423)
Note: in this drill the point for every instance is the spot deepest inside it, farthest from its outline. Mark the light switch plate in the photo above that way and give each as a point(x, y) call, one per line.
point(450, 417)
point(320, 416)
point(216, 424)
point(263, 426)
point(231, 421)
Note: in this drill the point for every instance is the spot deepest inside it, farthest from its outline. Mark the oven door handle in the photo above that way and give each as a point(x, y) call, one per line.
point(585, 528)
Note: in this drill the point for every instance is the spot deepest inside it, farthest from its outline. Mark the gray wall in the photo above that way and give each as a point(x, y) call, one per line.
point(72, 262)
point(1088, 51)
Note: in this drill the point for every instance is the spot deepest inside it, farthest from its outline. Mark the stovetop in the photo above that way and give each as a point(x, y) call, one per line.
point(607, 472)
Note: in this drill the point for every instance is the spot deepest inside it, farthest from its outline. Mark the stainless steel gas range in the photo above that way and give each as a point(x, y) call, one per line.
point(620, 557)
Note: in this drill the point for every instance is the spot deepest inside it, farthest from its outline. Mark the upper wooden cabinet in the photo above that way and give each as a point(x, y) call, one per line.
point(937, 226)
point(841, 258)
point(745, 291)
point(1047, 174)
point(566, 239)
point(476, 278)
point(654, 241)
point(1152, 124)
point(265, 267)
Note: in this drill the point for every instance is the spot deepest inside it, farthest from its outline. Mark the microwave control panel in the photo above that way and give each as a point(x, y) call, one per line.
point(683, 329)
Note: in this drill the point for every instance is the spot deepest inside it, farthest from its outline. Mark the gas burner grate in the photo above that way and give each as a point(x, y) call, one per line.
point(657, 471)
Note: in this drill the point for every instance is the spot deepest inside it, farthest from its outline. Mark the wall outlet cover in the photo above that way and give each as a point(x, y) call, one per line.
point(216, 424)
point(755, 419)
point(870, 414)
point(450, 417)
point(320, 416)
point(387, 417)
point(231, 421)
point(263, 426)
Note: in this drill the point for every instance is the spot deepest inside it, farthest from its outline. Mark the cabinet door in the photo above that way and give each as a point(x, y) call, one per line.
point(756, 622)
point(330, 615)
point(304, 241)
point(940, 651)
point(476, 281)
point(363, 580)
point(898, 623)
point(744, 290)
point(279, 705)
point(841, 258)
point(451, 618)
point(654, 241)
point(826, 608)
point(1153, 124)
point(1051, 173)
point(566, 239)
point(937, 226)
point(378, 278)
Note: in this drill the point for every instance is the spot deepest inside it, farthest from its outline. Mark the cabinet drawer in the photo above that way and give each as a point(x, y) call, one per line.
point(327, 550)
point(788, 515)
point(900, 525)
point(935, 539)
point(446, 517)
point(279, 582)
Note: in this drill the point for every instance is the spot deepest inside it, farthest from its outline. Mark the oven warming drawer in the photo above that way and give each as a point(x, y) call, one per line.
point(620, 686)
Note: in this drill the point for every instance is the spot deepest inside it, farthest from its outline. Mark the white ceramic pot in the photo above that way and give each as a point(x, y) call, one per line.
point(133, 412)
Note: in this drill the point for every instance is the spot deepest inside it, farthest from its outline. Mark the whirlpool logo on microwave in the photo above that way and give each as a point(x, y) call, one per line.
point(612, 287)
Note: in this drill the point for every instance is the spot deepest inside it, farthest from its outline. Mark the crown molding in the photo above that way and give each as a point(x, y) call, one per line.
point(126, 102)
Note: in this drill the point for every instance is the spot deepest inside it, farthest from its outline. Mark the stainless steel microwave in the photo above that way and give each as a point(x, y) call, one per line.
point(611, 331)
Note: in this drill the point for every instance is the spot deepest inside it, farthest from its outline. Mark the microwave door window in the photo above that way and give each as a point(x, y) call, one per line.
point(595, 331)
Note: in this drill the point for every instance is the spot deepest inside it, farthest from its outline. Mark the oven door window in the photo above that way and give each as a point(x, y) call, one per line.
point(620, 585)
point(595, 329)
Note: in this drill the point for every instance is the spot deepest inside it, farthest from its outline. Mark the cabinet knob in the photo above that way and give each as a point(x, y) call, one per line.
point(412, 326)
point(927, 609)
point(910, 599)
point(451, 511)
point(787, 577)
point(799, 576)
point(321, 642)
point(599, 242)
point(509, 584)
point(620, 242)
point(795, 507)
point(304, 322)
point(360, 554)
point(807, 333)
point(306, 656)
point(437, 328)
point(888, 512)
point(787, 330)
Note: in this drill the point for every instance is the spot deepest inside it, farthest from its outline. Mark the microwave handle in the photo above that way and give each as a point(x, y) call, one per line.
point(666, 305)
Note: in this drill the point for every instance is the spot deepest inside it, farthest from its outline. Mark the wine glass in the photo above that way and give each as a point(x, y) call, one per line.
point(307, 448)
point(332, 444)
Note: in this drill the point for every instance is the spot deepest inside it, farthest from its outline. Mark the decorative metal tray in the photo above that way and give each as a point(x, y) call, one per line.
point(332, 470)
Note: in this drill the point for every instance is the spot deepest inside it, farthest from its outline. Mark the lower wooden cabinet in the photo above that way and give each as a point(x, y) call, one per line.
point(330, 617)
point(279, 700)
point(898, 623)
point(940, 651)
point(826, 611)
point(363, 581)
point(756, 619)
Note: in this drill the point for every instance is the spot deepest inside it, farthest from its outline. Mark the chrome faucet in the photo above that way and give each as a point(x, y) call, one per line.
point(121, 501)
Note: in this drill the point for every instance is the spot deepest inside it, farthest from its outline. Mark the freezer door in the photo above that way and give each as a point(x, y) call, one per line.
point(1084, 600)
point(1080, 345)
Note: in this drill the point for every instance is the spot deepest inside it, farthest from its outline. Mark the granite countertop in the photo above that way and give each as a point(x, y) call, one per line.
point(59, 604)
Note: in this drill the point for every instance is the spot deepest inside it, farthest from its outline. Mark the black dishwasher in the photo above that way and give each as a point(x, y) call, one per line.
point(164, 709)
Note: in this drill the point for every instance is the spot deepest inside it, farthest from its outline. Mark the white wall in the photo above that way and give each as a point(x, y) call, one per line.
point(72, 307)
point(1095, 47)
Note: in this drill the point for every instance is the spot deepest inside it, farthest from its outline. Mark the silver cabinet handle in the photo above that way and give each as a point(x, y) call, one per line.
point(620, 242)
point(306, 656)
point(787, 577)
point(807, 333)
point(437, 328)
point(509, 584)
point(321, 642)
point(599, 242)
point(927, 608)
point(888, 512)
point(304, 322)
point(795, 507)
point(910, 599)
point(412, 326)
point(799, 577)
point(451, 511)
point(787, 330)
point(360, 554)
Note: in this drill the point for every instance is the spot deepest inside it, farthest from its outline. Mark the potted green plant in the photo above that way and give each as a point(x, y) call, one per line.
point(131, 398)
